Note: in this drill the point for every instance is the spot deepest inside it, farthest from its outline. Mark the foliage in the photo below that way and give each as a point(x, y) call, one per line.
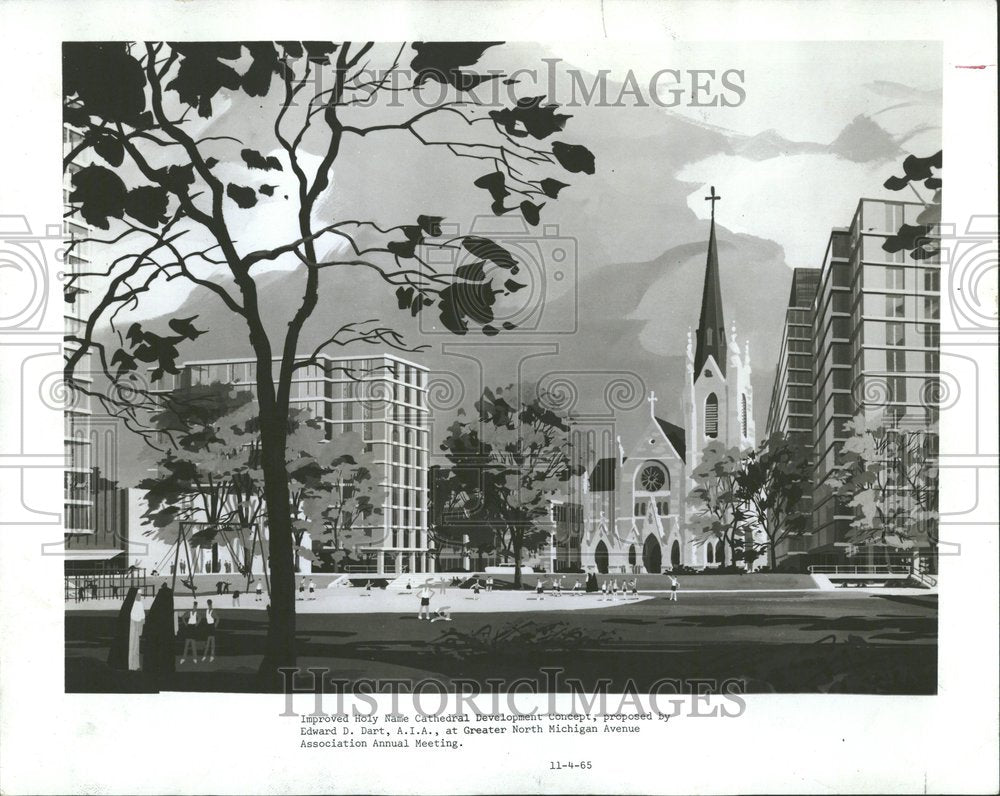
point(889, 476)
point(194, 477)
point(211, 472)
point(774, 483)
point(916, 238)
point(719, 507)
point(334, 494)
point(506, 467)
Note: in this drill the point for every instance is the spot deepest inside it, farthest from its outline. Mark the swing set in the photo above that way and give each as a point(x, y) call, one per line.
point(199, 533)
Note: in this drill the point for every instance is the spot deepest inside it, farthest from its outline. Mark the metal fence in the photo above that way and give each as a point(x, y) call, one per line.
point(106, 585)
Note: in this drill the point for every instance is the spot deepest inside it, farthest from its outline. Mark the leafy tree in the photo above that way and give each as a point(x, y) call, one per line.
point(889, 476)
point(333, 491)
point(456, 515)
point(194, 478)
point(507, 466)
point(717, 503)
point(182, 146)
point(774, 484)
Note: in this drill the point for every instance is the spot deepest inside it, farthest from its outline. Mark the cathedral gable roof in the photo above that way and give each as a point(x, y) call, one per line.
point(676, 436)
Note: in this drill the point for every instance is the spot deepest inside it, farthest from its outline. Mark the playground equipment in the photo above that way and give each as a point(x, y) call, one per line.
point(250, 538)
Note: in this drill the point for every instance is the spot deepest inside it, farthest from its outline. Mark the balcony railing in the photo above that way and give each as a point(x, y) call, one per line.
point(859, 569)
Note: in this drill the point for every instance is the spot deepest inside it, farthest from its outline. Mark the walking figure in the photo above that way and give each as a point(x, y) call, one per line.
point(673, 588)
point(236, 598)
point(604, 590)
point(260, 590)
point(475, 589)
point(557, 587)
point(635, 588)
point(312, 590)
point(302, 589)
point(576, 587)
point(540, 589)
point(489, 583)
point(424, 594)
point(368, 590)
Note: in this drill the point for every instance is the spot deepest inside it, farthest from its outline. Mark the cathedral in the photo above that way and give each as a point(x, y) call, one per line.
point(635, 513)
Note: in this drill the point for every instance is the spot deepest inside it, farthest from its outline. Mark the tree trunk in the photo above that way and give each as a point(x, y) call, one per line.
point(280, 645)
point(517, 559)
point(772, 555)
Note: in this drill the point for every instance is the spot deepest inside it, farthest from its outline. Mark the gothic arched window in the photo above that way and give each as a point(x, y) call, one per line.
point(711, 416)
point(743, 415)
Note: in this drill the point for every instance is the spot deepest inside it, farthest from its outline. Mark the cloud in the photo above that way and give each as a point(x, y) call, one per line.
point(793, 200)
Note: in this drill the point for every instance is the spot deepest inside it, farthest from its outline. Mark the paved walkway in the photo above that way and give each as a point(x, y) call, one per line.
point(347, 600)
point(387, 601)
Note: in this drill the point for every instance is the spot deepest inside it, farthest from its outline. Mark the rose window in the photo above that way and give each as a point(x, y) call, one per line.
point(651, 478)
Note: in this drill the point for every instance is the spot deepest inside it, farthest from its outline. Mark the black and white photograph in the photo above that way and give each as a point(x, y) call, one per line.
point(489, 375)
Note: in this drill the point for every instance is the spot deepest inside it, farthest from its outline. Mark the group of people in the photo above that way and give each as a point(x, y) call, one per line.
point(144, 638)
point(312, 589)
point(611, 590)
point(196, 627)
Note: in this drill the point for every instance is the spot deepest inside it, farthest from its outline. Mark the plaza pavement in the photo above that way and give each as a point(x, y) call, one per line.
point(353, 600)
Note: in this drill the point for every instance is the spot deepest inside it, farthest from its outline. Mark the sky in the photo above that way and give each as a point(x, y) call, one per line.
point(773, 157)
point(803, 92)
point(822, 125)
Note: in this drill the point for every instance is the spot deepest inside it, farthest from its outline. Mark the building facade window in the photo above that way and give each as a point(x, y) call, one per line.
point(743, 415)
point(895, 278)
point(895, 306)
point(712, 416)
point(895, 334)
point(895, 361)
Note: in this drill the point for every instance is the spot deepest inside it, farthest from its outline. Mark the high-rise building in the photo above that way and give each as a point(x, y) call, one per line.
point(791, 408)
point(86, 550)
point(383, 399)
point(876, 348)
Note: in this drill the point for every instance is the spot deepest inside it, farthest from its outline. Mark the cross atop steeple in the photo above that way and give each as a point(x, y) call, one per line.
point(652, 404)
point(713, 197)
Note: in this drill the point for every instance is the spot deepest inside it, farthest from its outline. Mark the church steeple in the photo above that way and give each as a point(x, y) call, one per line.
point(711, 335)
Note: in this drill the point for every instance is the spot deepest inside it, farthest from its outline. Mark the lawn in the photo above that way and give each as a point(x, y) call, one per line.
point(793, 642)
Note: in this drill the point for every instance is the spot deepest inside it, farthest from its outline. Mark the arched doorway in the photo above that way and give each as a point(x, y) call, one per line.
point(720, 553)
point(601, 557)
point(675, 554)
point(631, 555)
point(652, 560)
